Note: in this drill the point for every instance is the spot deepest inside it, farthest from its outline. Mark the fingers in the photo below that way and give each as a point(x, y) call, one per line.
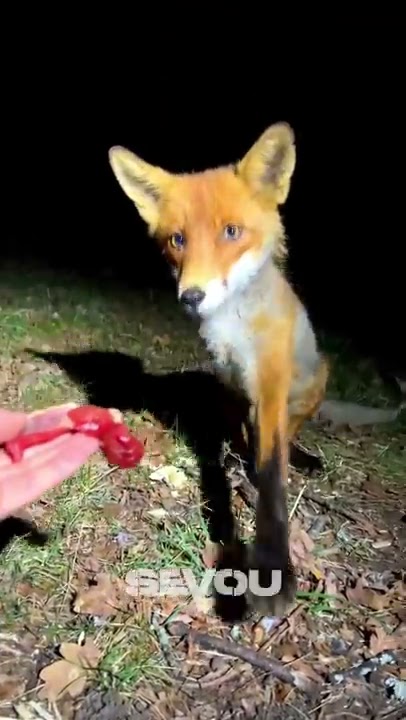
point(30, 455)
point(11, 424)
point(36, 456)
point(40, 420)
point(37, 421)
point(64, 407)
point(24, 482)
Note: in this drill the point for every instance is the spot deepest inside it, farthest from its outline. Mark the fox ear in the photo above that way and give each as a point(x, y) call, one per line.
point(143, 183)
point(268, 166)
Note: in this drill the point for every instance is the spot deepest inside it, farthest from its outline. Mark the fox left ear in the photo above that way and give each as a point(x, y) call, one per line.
point(268, 166)
point(143, 183)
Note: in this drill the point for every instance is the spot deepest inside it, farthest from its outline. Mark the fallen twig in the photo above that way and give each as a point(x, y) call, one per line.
point(211, 680)
point(253, 657)
point(247, 491)
point(333, 507)
point(249, 495)
point(397, 714)
point(297, 501)
point(214, 679)
point(229, 647)
point(163, 639)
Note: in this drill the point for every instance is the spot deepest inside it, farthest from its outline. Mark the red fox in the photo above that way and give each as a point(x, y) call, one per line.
point(223, 235)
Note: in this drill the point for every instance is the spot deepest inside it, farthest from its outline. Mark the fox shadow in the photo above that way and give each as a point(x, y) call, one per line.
point(14, 526)
point(199, 408)
point(193, 403)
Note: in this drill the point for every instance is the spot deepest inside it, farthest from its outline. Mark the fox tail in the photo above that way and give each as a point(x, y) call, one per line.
point(338, 412)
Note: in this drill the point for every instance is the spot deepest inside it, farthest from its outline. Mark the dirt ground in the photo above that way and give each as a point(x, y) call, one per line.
point(76, 642)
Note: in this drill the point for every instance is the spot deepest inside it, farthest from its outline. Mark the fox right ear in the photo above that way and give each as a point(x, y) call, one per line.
point(143, 183)
point(268, 166)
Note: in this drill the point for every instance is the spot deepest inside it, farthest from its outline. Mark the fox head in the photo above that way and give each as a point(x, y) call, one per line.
point(216, 227)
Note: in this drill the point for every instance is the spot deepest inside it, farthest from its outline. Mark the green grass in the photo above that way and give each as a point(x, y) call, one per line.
point(355, 379)
point(318, 603)
point(44, 312)
point(381, 450)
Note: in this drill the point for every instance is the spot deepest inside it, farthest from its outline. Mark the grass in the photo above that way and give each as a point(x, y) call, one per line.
point(355, 380)
point(43, 312)
point(318, 603)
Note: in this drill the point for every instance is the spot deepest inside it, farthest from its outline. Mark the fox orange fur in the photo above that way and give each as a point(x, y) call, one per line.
point(223, 236)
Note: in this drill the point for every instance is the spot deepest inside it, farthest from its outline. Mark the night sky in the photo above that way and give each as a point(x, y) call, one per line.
point(344, 215)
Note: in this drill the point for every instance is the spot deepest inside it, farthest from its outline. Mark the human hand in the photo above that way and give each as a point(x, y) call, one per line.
point(44, 466)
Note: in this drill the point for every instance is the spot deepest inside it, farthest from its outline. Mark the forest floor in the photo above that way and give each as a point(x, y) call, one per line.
point(67, 602)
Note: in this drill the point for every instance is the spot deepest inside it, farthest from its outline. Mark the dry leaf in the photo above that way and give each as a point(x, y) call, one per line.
point(163, 340)
point(289, 651)
point(204, 604)
point(10, 687)
point(381, 544)
point(209, 554)
point(374, 487)
point(361, 594)
point(70, 675)
point(34, 593)
point(201, 605)
point(158, 513)
point(347, 634)
point(157, 444)
point(331, 584)
point(300, 537)
point(307, 671)
point(90, 565)
point(183, 618)
point(100, 599)
point(87, 655)
point(112, 509)
point(399, 588)
point(301, 548)
point(173, 477)
point(380, 640)
point(31, 710)
point(107, 551)
point(258, 635)
point(282, 690)
point(324, 650)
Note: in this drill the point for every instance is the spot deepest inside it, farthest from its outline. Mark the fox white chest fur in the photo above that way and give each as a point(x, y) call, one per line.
point(235, 343)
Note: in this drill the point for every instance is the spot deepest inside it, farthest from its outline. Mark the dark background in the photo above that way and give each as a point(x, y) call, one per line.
point(65, 103)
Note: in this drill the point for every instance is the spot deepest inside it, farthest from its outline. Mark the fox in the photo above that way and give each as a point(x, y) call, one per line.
point(222, 233)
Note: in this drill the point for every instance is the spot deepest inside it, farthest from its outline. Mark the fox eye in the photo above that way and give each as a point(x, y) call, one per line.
point(176, 241)
point(232, 232)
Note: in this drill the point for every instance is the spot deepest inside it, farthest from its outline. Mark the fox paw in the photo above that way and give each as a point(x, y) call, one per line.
point(230, 604)
point(272, 587)
point(254, 585)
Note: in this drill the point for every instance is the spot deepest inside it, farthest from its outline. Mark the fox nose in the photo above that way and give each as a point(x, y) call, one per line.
point(191, 298)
